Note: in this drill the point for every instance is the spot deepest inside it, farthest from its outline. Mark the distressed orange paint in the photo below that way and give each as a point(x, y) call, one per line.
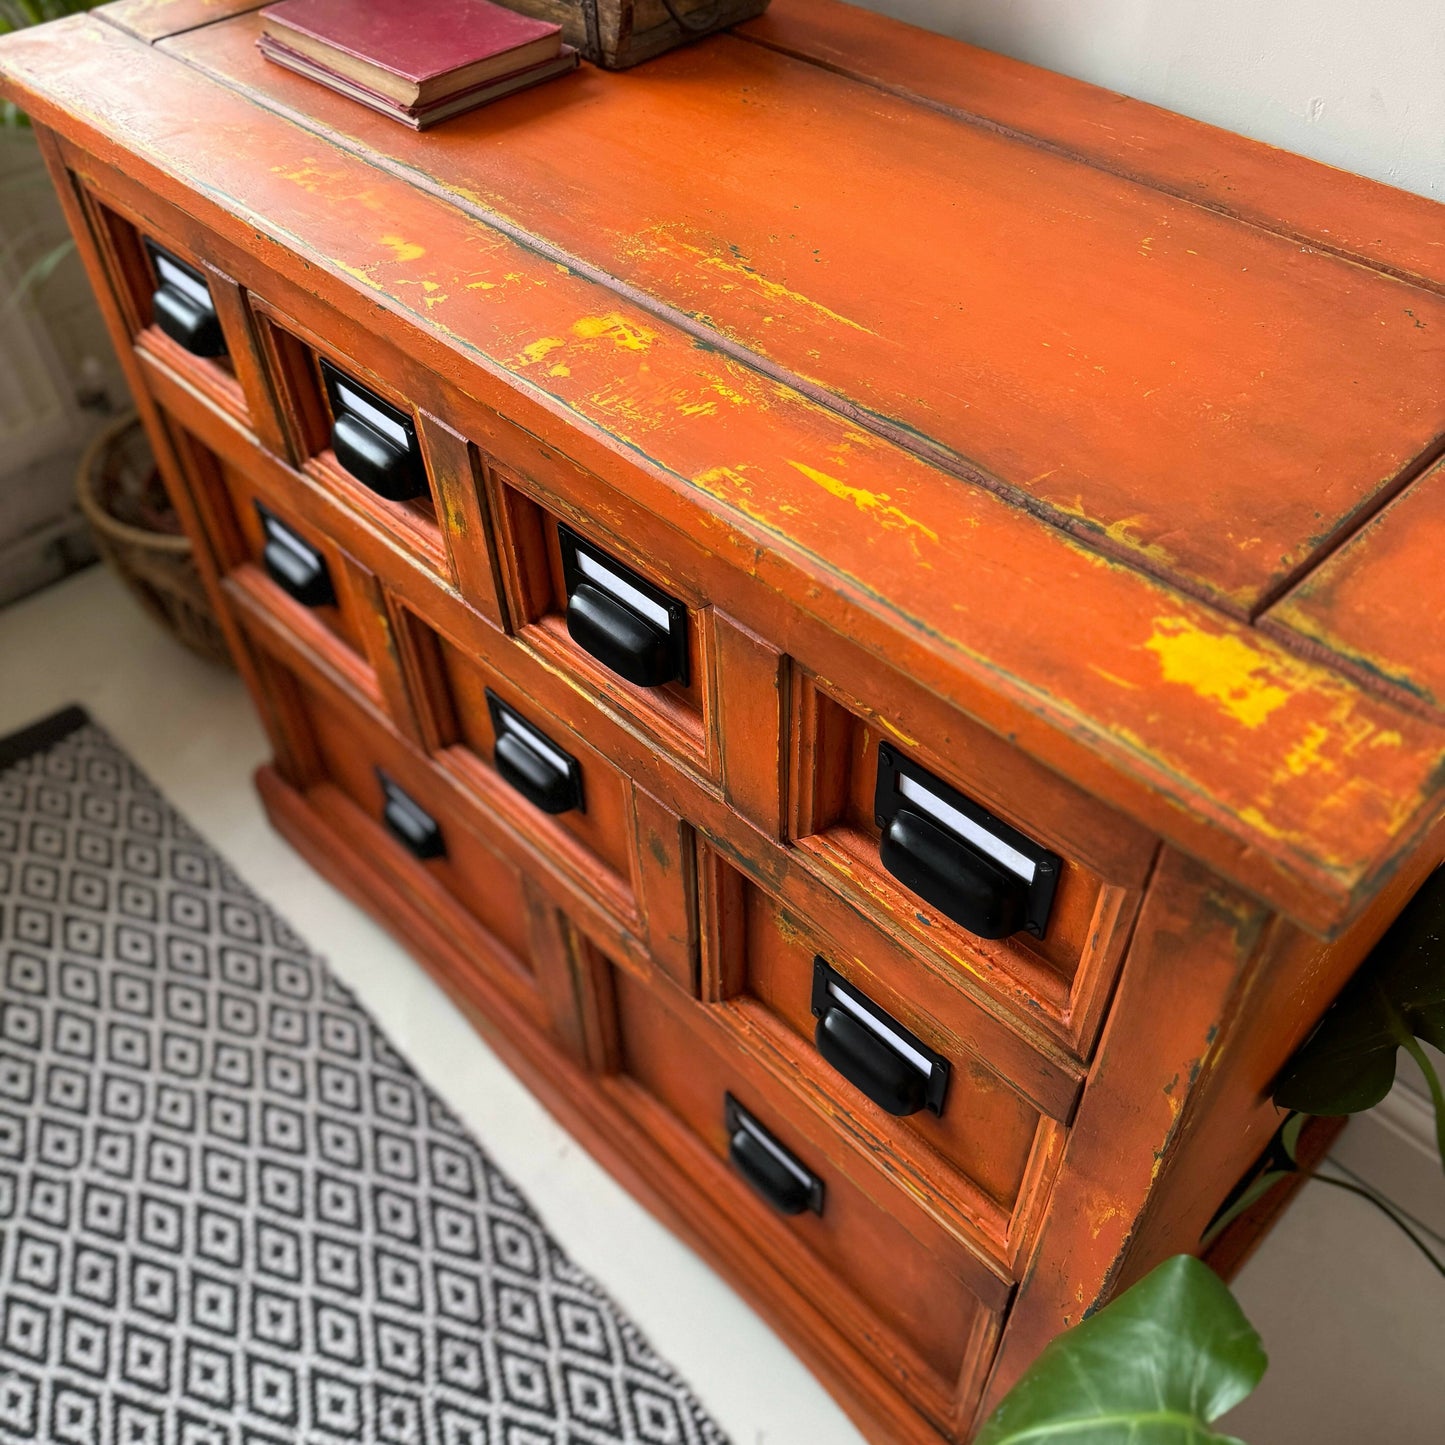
point(997, 329)
point(1000, 475)
point(1374, 608)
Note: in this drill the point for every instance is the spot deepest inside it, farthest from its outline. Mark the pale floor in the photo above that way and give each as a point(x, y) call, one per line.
point(1355, 1326)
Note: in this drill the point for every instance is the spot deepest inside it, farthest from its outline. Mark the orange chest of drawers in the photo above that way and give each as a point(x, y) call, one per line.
point(867, 608)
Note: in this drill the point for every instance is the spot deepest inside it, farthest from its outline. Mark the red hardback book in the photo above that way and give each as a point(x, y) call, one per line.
point(412, 51)
point(443, 107)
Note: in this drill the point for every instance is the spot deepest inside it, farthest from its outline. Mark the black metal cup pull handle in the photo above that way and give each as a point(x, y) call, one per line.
point(969, 863)
point(409, 823)
point(618, 638)
point(986, 898)
point(389, 470)
point(772, 1171)
point(535, 777)
point(529, 761)
point(182, 307)
point(294, 565)
point(195, 327)
point(372, 438)
point(625, 621)
point(869, 1064)
point(876, 1054)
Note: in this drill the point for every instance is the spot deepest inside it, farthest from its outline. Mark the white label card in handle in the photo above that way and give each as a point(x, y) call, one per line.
point(975, 833)
point(623, 590)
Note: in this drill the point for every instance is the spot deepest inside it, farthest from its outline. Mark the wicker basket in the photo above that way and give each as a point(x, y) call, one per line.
point(139, 535)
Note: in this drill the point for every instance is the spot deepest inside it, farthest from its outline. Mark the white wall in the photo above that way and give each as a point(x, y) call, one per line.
point(1357, 83)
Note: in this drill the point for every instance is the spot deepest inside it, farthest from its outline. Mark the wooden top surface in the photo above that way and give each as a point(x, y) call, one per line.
point(1375, 607)
point(1216, 402)
point(152, 20)
point(933, 350)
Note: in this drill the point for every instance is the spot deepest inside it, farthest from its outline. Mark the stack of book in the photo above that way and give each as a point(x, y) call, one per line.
point(418, 61)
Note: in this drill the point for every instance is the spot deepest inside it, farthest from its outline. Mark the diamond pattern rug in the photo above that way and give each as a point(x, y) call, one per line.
point(230, 1212)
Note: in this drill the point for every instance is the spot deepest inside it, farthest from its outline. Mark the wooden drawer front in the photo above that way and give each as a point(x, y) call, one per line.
point(954, 842)
point(351, 765)
point(919, 1290)
point(536, 772)
point(356, 431)
point(315, 592)
point(178, 306)
point(874, 1015)
point(612, 614)
point(305, 568)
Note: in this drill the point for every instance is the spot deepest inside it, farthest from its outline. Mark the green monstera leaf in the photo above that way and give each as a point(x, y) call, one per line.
point(1396, 999)
point(1157, 1366)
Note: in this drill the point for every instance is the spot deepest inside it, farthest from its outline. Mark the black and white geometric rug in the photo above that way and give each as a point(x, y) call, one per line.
point(230, 1213)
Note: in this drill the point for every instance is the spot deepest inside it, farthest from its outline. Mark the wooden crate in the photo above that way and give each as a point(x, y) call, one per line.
point(618, 33)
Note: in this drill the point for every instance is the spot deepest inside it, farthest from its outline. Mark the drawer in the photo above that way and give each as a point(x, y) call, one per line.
point(371, 788)
point(177, 304)
point(890, 1044)
point(815, 1206)
point(355, 431)
point(955, 843)
point(610, 613)
point(307, 568)
point(313, 589)
point(526, 766)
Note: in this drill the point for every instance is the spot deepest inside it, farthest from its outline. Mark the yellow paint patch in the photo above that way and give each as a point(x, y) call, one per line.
point(716, 480)
point(307, 175)
point(787, 928)
point(616, 329)
point(560, 369)
point(1123, 532)
point(1110, 677)
point(1102, 1215)
point(531, 354)
point(776, 291)
point(1220, 667)
point(706, 251)
point(356, 272)
point(401, 248)
point(1120, 531)
point(728, 394)
point(877, 504)
point(896, 731)
point(1305, 756)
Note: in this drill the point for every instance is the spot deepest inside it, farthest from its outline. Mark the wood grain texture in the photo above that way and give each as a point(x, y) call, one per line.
point(1161, 1031)
point(1219, 444)
point(1199, 722)
point(1290, 195)
point(1373, 608)
point(817, 430)
point(153, 20)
